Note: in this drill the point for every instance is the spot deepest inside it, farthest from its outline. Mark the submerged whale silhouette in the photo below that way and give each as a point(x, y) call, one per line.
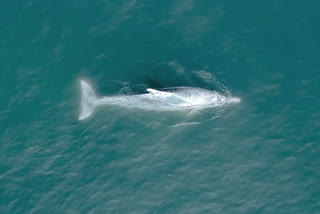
point(170, 99)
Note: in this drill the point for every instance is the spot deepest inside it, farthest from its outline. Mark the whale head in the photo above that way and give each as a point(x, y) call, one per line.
point(234, 100)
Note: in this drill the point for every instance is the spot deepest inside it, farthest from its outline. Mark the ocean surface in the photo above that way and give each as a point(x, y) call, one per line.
point(258, 156)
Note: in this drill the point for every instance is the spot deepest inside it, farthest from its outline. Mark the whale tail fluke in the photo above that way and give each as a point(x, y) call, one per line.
point(88, 100)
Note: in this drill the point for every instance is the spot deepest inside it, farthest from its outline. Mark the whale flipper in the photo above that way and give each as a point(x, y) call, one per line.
point(158, 93)
point(88, 100)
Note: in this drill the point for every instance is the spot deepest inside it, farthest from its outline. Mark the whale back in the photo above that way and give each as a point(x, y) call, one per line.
point(167, 99)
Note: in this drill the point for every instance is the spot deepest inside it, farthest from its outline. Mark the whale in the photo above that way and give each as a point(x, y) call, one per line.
point(167, 99)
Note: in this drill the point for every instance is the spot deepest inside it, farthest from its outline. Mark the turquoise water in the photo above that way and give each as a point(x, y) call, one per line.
point(259, 156)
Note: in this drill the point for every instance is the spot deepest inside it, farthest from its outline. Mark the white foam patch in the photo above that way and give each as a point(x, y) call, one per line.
point(185, 124)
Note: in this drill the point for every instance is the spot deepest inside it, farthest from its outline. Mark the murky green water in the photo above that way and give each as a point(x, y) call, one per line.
point(259, 156)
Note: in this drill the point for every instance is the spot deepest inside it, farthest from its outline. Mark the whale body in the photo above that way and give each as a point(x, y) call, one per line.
point(169, 99)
